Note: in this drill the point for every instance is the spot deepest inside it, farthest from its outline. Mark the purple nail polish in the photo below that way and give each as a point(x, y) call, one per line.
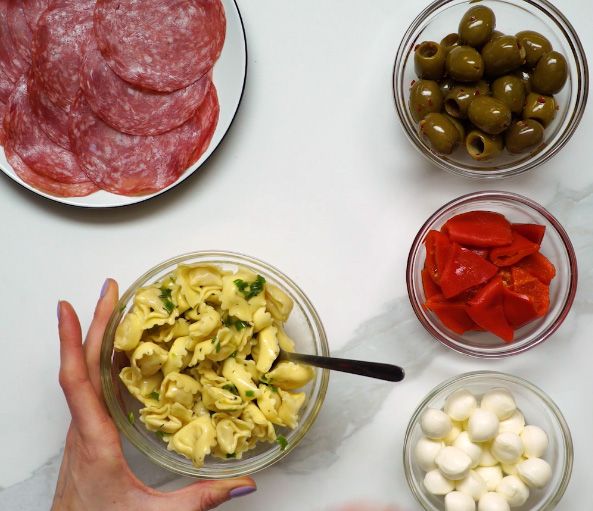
point(104, 288)
point(241, 491)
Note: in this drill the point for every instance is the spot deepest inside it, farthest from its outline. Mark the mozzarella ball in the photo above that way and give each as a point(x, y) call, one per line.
point(487, 460)
point(460, 405)
point(456, 429)
point(499, 401)
point(507, 448)
point(511, 469)
point(472, 485)
point(492, 501)
point(474, 451)
point(513, 490)
point(453, 463)
point(535, 441)
point(457, 501)
point(435, 424)
point(437, 484)
point(426, 451)
point(514, 424)
point(535, 472)
point(491, 475)
point(482, 425)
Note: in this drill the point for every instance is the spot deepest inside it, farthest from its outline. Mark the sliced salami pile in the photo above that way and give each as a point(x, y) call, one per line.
point(101, 94)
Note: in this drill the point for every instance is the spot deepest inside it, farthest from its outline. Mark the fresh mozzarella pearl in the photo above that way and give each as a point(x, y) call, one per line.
point(473, 485)
point(487, 460)
point(491, 475)
point(507, 448)
point(534, 472)
point(514, 424)
point(435, 424)
point(456, 429)
point(457, 501)
point(511, 469)
point(460, 405)
point(493, 502)
point(453, 463)
point(437, 484)
point(426, 451)
point(514, 490)
point(474, 451)
point(499, 401)
point(482, 425)
point(535, 441)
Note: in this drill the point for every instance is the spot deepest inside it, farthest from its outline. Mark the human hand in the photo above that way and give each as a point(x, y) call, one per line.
point(94, 475)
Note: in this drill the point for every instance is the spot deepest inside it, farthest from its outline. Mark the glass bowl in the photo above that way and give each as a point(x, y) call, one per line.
point(556, 246)
point(538, 409)
point(441, 18)
point(303, 326)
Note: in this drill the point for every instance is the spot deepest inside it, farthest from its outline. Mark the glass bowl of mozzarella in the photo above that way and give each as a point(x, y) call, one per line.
point(489, 441)
point(189, 365)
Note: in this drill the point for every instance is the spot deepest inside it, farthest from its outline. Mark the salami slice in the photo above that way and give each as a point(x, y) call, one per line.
point(163, 45)
point(131, 164)
point(3, 110)
point(6, 87)
point(44, 183)
point(33, 11)
point(35, 148)
point(61, 33)
point(52, 119)
point(11, 61)
point(131, 109)
point(19, 29)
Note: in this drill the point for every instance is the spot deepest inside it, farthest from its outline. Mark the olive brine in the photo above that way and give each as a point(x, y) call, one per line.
point(486, 89)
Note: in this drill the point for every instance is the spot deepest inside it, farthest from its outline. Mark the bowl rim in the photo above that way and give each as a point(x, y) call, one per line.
point(508, 197)
point(498, 377)
point(121, 421)
point(563, 25)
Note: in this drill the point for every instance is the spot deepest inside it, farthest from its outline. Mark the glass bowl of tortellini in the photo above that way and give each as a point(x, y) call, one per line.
point(190, 368)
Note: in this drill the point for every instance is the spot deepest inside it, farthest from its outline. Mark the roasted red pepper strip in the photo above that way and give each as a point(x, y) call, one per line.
point(520, 247)
point(482, 252)
point(518, 309)
point(479, 229)
point(526, 284)
point(533, 232)
point(438, 251)
point(539, 266)
point(452, 314)
point(487, 310)
point(465, 270)
point(429, 286)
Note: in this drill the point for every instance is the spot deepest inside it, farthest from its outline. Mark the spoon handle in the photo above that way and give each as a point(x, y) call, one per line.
point(371, 369)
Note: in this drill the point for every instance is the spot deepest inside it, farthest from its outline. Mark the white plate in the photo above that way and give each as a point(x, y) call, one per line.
point(229, 77)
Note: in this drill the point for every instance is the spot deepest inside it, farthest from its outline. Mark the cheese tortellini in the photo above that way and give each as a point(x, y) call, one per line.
point(202, 345)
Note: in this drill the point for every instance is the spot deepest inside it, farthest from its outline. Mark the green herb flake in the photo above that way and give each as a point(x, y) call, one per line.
point(160, 434)
point(233, 354)
point(165, 297)
point(274, 388)
point(154, 395)
point(213, 340)
point(131, 418)
point(231, 388)
point(250, 290)
point(249, 393)
point(240, 325)
point(230, 455)
point(282, 442)
point(217, 347)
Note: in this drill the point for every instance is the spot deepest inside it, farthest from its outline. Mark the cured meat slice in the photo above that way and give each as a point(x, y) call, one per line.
point(132, 109)
point(19, 29)
point(33, 11)
point(52, 119)
point(61, 33)
point(132, 164)
point(44, 183)
point(35, 148)
point(3, 110)
point(162, 45)
point(6, 87)
point(11, 62)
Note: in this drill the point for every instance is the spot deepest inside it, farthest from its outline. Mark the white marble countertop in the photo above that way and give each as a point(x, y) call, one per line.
point(317, 178)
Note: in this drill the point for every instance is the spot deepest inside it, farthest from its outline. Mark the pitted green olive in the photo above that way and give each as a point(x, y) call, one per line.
point(458, 99)
point(425, 97)
point(550, 73)
point(535, 44)
point(502, 55)
point(464, 64)
point(523, 135)
point(439, 132)
point(476, 26)
point(450, 41)
point(511, 91)
point(482, 146)
point(540, 108)
point(429, 60)
point(489, 114)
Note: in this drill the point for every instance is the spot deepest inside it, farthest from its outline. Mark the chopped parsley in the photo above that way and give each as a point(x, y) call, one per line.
point(160, 434)
point(231, 321)
point(165, 297)
point(231, 388)
point(230, 455)
point(217, 347)
point(250, 393)
point(131, 418)
point(250, 290)
point(233, 354)
point(282, 442)
point(154, 395)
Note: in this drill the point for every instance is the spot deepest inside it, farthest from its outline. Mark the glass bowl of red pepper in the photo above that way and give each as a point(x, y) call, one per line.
point(491, 274)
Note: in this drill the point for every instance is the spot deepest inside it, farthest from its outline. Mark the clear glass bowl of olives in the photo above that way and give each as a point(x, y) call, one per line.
point(490, 89)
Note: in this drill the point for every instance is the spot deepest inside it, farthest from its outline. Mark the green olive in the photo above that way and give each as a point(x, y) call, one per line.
point(502, 55)
point(535, 44)
point(425, 97)
point(523, 135)
point(540, 108)
point(482, 146)
point(449, 42)
point(550, 73)
point(489, 114)
point(464, 64)
point(477, 25)
point(496, 34)
point(525, 76)
point(446, 85)
point(429, 60)
point(458, 99)
point(511, 91)
point(458, 124)
point(439, 132)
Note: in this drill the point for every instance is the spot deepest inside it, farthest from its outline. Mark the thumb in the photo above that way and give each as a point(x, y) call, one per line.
point(205, 495)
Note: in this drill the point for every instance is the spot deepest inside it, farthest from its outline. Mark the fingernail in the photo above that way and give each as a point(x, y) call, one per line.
point(241, 491)
point(58, 310)
point(104, 288)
